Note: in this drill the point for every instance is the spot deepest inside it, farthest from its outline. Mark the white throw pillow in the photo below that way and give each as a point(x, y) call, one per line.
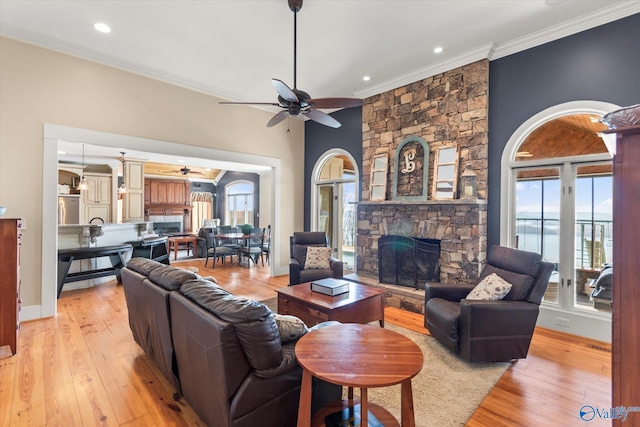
point(317, 257)
point(492, 287)
point(291, 328)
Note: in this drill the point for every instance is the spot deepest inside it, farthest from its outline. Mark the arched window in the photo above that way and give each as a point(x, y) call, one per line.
point(335, 189)
point(556, 195)
point(239, 203)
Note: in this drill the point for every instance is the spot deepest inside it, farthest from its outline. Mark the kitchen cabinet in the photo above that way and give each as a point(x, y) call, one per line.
point(99, 189)
point(133, 200)
point(166, 192)
point(166, 197)
point(97, 199)
point(10, 241)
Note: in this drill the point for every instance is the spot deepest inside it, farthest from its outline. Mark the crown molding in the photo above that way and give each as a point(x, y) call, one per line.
point(494, 51)
point(489, 51)
point(568, 28)
point(32, 37)
point(477, 54)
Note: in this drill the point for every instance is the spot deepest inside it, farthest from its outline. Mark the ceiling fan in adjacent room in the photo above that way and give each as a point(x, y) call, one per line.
point(186, 171)
point(298, 103)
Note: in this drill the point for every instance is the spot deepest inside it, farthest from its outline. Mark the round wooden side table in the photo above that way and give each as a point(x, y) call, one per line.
point(362, 356)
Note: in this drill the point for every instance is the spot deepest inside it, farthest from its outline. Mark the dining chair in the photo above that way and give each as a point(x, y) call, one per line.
point(253, 247)
point(266, 246)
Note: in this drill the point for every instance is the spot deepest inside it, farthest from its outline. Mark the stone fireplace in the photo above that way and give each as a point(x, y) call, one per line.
point(446, 110)
point(408, 261)
point(459, 225)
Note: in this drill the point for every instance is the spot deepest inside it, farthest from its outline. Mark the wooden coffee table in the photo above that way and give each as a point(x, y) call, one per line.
point(362, 304)
point(362, 356)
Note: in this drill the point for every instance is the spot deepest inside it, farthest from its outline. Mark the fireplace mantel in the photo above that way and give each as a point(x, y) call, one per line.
point(457, 202)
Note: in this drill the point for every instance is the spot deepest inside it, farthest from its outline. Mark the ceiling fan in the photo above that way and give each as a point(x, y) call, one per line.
point(298, 103)
point(186, 171)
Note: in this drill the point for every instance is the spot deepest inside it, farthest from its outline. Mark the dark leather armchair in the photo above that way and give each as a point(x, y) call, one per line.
point(490, 331)
point(298, 244)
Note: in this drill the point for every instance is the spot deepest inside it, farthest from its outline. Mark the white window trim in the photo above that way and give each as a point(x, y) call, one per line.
point(313, 191)
point(226, 196)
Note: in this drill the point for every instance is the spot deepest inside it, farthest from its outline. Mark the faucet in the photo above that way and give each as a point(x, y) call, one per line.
point(96, 217)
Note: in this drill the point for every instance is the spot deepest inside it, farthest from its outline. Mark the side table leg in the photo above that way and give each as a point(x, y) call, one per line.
point(304, 409)
point(364, 407)
point(408, 418)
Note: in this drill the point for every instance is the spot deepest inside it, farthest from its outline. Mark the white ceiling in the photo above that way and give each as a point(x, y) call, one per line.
point(232, 48)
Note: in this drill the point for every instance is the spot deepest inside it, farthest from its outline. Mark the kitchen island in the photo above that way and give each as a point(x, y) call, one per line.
point(74, 237)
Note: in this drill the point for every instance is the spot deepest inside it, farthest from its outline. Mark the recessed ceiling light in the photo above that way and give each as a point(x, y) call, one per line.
point(366, 78)
point(438, 49)
point(102, 27)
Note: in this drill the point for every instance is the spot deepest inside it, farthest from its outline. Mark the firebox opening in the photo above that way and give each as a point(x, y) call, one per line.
point(408, 261)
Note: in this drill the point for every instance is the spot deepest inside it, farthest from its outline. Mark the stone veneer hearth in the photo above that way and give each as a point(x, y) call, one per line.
point(448, 109)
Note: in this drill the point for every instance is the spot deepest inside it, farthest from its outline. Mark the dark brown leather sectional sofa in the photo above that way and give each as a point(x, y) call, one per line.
point(222, 353)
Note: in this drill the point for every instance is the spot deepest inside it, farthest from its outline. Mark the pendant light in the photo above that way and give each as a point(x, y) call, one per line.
point(123, 188)
point(83, 186)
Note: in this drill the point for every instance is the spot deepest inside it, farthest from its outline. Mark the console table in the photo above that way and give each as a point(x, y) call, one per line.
point(116, 254)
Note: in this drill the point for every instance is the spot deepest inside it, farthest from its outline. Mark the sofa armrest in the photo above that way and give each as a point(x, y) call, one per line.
point(294, 271)
point(337, 267)
point(287, 364)
point(446, 292)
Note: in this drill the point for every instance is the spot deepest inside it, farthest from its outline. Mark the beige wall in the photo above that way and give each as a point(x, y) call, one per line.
point(39, 86)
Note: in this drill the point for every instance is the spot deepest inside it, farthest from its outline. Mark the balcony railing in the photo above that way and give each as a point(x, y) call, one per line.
point(593, 240)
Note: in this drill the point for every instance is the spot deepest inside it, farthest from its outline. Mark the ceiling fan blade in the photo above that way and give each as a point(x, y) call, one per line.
point(248, 103)
point(336, 102)
point(322, 118)
point(284, 91)
point(278, 118)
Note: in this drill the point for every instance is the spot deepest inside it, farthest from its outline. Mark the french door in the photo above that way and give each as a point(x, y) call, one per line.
point(336, 216)
point(564, 212)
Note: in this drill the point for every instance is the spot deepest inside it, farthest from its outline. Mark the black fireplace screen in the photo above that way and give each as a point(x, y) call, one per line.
point(408, 261)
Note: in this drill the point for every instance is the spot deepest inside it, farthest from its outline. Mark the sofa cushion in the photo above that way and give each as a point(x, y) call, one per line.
point(318, 258)
point(143, 265)
point(492, 287)
point(255, 327)
point(290, 327)
point(170, 278)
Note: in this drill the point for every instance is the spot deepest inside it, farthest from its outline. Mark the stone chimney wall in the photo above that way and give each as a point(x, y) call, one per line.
point(448, 109)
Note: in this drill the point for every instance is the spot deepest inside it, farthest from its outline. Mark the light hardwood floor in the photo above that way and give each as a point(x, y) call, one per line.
point(83, 368)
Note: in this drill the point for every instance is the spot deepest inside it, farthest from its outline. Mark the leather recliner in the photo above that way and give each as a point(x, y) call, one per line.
point(490, 331)
point(298, 244)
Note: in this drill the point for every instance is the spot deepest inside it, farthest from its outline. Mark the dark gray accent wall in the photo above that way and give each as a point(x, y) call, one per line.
point(220, 199)
point(319, 139)
point(600, 64)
